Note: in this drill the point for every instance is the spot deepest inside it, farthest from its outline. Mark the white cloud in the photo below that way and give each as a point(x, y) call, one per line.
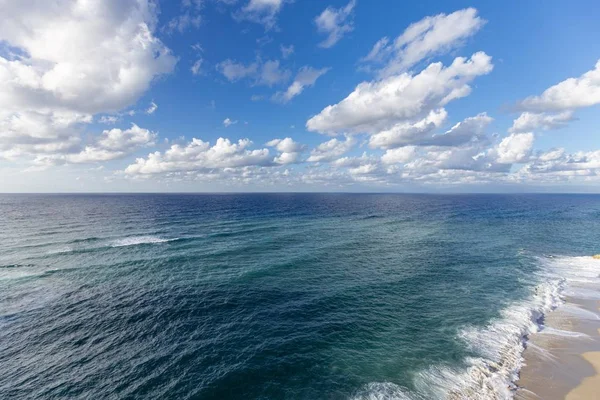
point(262, 12)
point(110, 145)
point(228, 122)
point(287, 158)
point(515, 148)
point(558, 162)
point(556, 106)
point(267, 73)
point(115, 143)
point(399, 155)
point(65, 68)
point(109, 119)
point(289, 150)
point(77, 58)
point(379, 105)
point(235, 71)
point(287, 145)
point(183, 22)
point(307, 76)
point(331, 150)
point(197, 67)
point(528, 121)
point(199, 156)
point(151, 108)
point(423, 39)
point(272, 74)
point(286, 51)
point(569, 94)
point(334, 23)
point(406, 133)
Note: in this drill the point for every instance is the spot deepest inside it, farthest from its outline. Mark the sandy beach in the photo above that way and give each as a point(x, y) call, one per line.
point(562, 361)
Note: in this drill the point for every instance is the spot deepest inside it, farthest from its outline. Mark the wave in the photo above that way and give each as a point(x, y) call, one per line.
point(61, 250)
point(498, 347)
point(136, 240)
point(383, 391)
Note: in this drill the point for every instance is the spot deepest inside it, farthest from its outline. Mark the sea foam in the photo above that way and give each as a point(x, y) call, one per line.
point(135, 240)
point(498, 346)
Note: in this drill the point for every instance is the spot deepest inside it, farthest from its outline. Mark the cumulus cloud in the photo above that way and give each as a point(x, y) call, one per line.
point(379, 105)
point(572, 93)
point(65, 68)
point(428, 37)
point(515, 148)
point(556, 106)
point(76, 59)
point(559, 162)
point(199, 155)
point(331, 150)
point(335, 23)
point(111, 144)
point(421, 132)
point(399, 155)
point(529, 121)
point(405, 133)
point(114, 143)
point(307, 76)
point(289, 150)
point(262, 12)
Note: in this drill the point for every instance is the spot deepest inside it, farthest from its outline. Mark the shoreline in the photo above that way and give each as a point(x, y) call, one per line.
point(562, 361)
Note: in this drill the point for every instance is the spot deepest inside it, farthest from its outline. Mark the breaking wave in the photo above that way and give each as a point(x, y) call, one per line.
point(498, 347)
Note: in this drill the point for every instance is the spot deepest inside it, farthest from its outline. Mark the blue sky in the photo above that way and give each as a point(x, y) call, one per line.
point(110, 95)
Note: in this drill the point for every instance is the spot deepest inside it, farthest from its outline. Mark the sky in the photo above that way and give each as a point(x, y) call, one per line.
point(299, 95)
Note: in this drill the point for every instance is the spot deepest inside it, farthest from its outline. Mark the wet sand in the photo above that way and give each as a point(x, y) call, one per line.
point(563, 360)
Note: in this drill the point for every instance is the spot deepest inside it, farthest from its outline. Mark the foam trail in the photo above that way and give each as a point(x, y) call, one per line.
point(561, 332)
point(136, 240)
point(579, 312)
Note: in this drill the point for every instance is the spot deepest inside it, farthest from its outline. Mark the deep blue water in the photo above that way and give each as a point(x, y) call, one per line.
point(267, 296)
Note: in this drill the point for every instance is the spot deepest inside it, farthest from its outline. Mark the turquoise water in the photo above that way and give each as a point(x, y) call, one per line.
point(278, 296)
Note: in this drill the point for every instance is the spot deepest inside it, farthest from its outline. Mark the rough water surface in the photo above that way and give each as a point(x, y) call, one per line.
point(282, 296)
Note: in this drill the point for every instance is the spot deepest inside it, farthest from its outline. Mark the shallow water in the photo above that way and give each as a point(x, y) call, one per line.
point(281, 296)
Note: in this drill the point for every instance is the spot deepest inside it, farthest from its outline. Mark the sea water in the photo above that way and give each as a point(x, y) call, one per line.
point(282, 296)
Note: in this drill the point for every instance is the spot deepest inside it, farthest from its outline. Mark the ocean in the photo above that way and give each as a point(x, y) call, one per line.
point(281, 296)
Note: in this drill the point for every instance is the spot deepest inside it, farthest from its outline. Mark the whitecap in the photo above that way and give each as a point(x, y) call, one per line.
point(61, 250)
point(136, 240)
point(383, 391)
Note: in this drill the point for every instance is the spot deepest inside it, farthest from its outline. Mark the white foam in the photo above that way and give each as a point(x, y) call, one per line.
point(136, 240)
point(561, 332)
point(18, 274)
point(500, 344)
point(383, 391)
point(61, 250)
point(499, 347)
point(579, 312)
